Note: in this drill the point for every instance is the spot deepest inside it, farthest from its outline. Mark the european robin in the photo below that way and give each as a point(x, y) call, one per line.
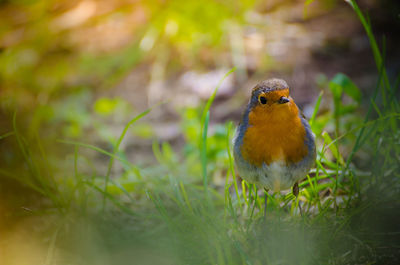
point(274, 146)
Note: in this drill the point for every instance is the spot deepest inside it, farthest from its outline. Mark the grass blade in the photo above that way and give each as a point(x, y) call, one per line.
point(316, 108)
point(116, 148)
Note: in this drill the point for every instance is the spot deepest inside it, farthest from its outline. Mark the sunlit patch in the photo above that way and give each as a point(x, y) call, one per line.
point(19, 247)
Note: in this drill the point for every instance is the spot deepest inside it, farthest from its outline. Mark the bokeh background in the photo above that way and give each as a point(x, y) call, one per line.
point(82, 69)
point(79, 70)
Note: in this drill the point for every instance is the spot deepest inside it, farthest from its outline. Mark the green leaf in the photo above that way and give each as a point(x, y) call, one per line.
point(342, 83)
point(347, 109)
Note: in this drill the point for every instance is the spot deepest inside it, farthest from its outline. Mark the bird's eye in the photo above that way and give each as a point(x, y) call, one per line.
point(262, 99)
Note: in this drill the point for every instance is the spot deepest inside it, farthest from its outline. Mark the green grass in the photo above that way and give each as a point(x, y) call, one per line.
point(177, 212)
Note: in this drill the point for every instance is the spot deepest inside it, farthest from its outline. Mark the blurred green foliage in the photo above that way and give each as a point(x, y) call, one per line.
point(346, 99)
point(51, 56)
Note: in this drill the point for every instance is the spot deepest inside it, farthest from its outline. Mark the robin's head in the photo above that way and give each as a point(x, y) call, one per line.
point(270, 101)
point(270, 95)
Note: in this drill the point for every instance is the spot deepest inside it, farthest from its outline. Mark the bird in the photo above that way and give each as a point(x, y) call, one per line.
point(273, 146)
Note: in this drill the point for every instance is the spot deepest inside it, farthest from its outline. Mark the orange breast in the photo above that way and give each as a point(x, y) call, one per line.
point(275, 133)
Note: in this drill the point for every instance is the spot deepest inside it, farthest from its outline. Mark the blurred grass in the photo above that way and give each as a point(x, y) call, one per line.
point(190, 208)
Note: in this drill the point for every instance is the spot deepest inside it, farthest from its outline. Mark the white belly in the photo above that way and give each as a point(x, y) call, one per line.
point(275, 176)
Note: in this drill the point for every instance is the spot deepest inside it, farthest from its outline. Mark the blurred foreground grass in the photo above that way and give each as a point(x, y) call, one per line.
point(190, 208)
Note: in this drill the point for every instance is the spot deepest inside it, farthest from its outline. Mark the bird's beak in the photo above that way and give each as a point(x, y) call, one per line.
point(284, 100)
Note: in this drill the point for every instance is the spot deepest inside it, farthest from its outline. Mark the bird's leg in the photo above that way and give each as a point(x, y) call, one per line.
point(265, 202)
point(296, 193)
